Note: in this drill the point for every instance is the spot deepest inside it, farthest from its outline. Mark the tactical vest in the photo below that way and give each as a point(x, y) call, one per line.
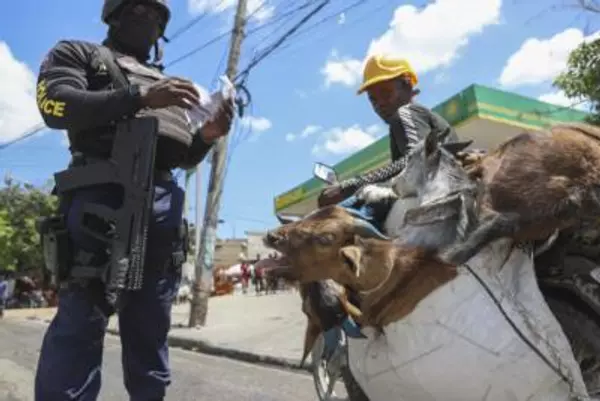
point(175, 130)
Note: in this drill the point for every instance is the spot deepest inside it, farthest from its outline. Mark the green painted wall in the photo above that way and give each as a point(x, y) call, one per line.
point(473, 101)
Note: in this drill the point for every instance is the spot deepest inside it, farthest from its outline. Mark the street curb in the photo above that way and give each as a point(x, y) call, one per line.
point(207, 348)
point(30, 313)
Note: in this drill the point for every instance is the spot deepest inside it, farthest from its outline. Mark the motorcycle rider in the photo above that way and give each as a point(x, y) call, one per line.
point(390, 84)
point(76, 93)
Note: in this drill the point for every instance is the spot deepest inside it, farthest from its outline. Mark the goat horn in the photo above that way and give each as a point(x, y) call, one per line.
point(283, 219)
point(366, 229)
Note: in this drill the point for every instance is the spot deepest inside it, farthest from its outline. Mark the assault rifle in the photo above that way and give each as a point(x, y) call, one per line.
point(131, 165)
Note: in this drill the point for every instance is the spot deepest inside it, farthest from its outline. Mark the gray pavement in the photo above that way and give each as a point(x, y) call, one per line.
point(269, 328)
point(265, 328)
point(196, 376)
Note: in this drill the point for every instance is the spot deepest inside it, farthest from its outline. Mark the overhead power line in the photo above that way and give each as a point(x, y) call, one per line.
point(191, 23)
point(199, 48)
point(333, 15)
point(243, 74)
point(311, 28)
point(211, 41)
point(229, 32)
point(30, 132)
point(186, 27)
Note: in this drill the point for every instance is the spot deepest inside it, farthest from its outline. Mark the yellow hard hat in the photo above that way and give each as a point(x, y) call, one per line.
point(381, 68)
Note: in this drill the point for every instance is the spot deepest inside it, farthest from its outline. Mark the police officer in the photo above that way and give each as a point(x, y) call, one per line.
point(77, 93)
point(390, 85)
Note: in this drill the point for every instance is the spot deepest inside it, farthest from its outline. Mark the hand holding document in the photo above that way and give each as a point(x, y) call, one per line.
point(210, 104)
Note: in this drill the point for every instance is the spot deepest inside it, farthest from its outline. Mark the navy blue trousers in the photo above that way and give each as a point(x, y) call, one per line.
point(69, 367)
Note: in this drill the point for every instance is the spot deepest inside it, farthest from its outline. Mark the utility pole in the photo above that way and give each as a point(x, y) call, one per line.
point(205, 253)
point(198, 221)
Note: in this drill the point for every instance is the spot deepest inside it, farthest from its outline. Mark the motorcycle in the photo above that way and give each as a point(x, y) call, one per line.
point(573, 299)
point(329, 355)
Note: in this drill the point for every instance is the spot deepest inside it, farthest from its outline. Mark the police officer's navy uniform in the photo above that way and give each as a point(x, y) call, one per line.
point(76, 94)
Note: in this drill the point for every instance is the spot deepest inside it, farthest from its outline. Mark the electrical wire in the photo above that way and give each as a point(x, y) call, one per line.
point(277, 23)
point(228, 32)
point(243, 131)
point(219, 68)
point(242, 75)
point(281, 21)
point(332, 16)
point(239, 135)
point(254, 62)
point(364, 17)
point(197, 49)
point(30, 132)
point(256, 10)
point(187, 26)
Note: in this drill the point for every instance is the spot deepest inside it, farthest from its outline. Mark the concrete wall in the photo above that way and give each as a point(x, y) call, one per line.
point(227, 252)
point(255, 245)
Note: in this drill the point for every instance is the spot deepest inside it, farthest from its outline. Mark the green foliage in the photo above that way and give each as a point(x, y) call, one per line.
point(20, 206)
point(581, 80)
point(6, 235)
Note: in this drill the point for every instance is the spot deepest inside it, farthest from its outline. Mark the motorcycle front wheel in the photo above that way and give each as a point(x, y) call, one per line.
point(582, 329)
point(326, 375)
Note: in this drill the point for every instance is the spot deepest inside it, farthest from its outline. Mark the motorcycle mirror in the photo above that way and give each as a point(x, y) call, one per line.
point(325, 173)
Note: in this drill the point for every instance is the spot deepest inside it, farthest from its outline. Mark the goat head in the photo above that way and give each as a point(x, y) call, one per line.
point(310, 247)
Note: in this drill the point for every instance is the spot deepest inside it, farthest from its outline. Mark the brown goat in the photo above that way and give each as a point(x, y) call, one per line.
point(317, 237)
point(531, 185)
point(313, 238)
point(391, 280)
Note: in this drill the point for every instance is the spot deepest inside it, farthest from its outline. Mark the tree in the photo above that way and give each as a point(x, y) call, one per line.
point(581, 80)
point(20, 207)
point(7, 261)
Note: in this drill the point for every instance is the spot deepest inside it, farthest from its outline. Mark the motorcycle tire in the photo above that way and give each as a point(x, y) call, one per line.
point(353, 389)
point(583, 332)
point(321, 378)
point(355, 393)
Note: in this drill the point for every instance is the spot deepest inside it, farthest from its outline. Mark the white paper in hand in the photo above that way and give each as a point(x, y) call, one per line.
point(210, 104)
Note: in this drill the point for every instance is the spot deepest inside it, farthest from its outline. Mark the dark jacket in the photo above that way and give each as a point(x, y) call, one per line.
point(75, 93)
point(412, 124)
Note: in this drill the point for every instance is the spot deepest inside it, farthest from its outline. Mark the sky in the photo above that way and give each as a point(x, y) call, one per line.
point(304, 106)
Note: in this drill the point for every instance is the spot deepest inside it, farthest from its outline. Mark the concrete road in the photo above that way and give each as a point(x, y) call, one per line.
point(195, 376)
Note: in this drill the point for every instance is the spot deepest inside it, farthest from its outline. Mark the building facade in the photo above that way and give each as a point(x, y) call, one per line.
point(256, 248)
point(487, 116)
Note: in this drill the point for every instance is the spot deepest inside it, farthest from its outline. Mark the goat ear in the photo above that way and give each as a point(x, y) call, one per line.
point(352, 256)
point(431, 144)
